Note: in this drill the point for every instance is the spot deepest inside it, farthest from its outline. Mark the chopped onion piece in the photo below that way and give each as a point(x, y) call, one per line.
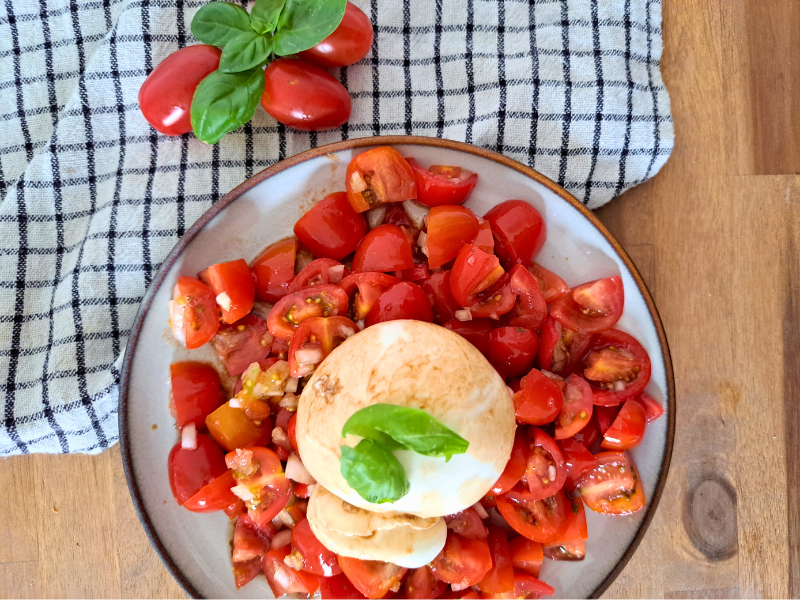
point(374, 216)
point(422, 242)
point(281, 438)
point(311, 488)
point(281, 539)
point(550, 375)
point(361, 324)
point(357, 183)
point(510, 391)
point(308, 356)
point(417, 212)
point(285, 518)
point(463, 315)
point(336, 274)
point(619, 386)
point(294, 561)
point(275, 393)
point(243, 492)
point(348, 332)
point(457, 587)
point(478, 508)
point(291, 385)
point(289, 401)
point(296, 470)
point(189, 437)
point(235, 403)
point(224, 301)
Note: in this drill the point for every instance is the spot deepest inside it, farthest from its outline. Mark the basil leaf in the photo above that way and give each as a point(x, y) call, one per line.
point(266, 13)
point(305, 23)
point(217, 23)
point(374, 472)
point(224, 102)
point(245, 51)
point(411, 428)
point(259, 27)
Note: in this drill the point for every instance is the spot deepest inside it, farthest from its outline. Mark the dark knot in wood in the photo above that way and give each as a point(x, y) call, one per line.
point(709, 517)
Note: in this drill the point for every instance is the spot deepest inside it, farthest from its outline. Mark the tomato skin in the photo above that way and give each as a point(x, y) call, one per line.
point(577, 408)
point(463, 561)
point(449, 228)
point(241, 344)
point(303, 96)
point(577, 460)
point(245, 571)
point(531, 309)
point(652, 408)
point(323, 300)
point(628, 428)
point(191, 470)
point(347, 45)
point(200, 314)
point(364, 289)
point(526, 555)
point(249, 542)
point(422, 584)
point(575, 527)
point(213, 496)
point(519, 232)
point(538, 520)
point(589, 435)
point(442, 185)
point(474, 271)
point(613, 486)
point(273, 270)
point(231, 428)
point(477, 332)
point(317, 558)
point(560, 348)
point(385, 248)
point(515, 467)
point(377, 177)
point(165, 97)
point(539, 401)
point(636, 372)
point(331, 228)
point(544, 457)
point(437, 286)
point(289, 581)
point(552, 286)
point(319, 271)
point(338, 587)
point(513, 349)
point(418, 273)
point(404, 300)
point(326, 332)
point(291, 431)
point(591, 307)
point(528, 586)
point(234, 279)
point(484, 240)
point(467, 523)
point(372, 578)
point(196, 391)
point(500, 577)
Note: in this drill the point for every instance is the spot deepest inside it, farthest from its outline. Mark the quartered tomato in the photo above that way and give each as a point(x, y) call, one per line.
point(348, 44)
point(538, 520)
point(244, 572)
point(526, 555)
point(404, 300)
point(440, 185)
point(422, 584)
point(191, 470)
point(364, 289)
point(477, 332)
point(463, 561)
point(617, 367)
point(467, 523)
point(372, 578)
point(385, 248)
point(515, 467)
point(628, 428)
point(560, 349)
point(539, 401)
point(193, 312)
point(613, 486)
point(320, 270)
point(474, 272)
point(552, 286)
point(500, 577)
point(323, 300)
point(437, 286)
point(652, 409)
point(249, 541)
point(213, 496)
point(196, 392)
point(576, 409)
point(231, 428)
point(519, 232)
point(232, 284)
point(546, 470)
point(283, 579)
point(338, 587)
point(577, 460)
point(315, 339)
point(379, 176)
point(316, 558)
point(243, 343)
point(591, 307)
point(449, 228)
point(273, 270)
point(531, 308)
point(331, 228)
point(575, 527)
point(484, 240)
point(260, 471)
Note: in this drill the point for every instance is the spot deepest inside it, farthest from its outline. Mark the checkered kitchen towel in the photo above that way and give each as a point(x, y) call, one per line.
point(93, 199)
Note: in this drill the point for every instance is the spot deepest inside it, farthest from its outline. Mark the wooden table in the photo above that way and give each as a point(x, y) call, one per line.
point(716, 237)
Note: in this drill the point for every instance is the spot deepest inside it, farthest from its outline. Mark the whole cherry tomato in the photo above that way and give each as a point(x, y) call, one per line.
point(519, 232)
point(347, 45)
point(331, 229)
point(304, 96)
point(405, 300)
point(513, 349)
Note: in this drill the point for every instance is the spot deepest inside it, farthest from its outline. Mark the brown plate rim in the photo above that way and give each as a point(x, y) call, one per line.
point(393, 140)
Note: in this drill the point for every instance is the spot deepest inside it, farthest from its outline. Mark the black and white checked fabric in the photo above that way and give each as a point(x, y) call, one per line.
point(93, 199)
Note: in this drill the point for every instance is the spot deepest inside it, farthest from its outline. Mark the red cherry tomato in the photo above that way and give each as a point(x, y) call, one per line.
point(613, 486)
point(574, 550)
point(232, 429)
point(316, 558)
point(320, 270)
point(474, 272)
point(576, 409)
point(347, 45)
point(496, 302)
point(589, 435)
point(539, 401)
point(235, 281)
point(196, 392)
point(213, 496)
point(440, 185)
point(379, 176)
point(516, 465)
point(314, 340)
point(467, 523)
point(531, 308)
point(617, 367)
point(528, 586)
point(477, 332)
point(331, 228)
point(338, 587)
point(194, 315)
point(249, 541)
point(449, 228)
point(385, 248)
point(245, 571)
point(422, 584)
point(259, 470)
point(372, 578)
point(283, 579)
point(591, 307)
point(577, 459)
point(463, 561)
point(526, 555)
point(190, 470)
point(418, 273)
point(273, 270)
point(560, 349)
point(165, 97)
point(437, 286)
point(405, 300)
point(484, 240)
point(323, 300)
point(291, 430)
point(552, 286)
point(538, 520)
point(519, 232)
point(605, 416)
point(364, 289)
point(546, 470)
point(243, 343)
point(652, 409)
point(500, 577)
point(303, 96)
point(513, 349)
point(575, 527)
point(628, 428)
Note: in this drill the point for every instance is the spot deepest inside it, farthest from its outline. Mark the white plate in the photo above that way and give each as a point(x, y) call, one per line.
point(195, 547)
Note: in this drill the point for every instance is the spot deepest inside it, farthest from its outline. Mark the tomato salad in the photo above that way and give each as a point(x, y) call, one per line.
point(399, 244)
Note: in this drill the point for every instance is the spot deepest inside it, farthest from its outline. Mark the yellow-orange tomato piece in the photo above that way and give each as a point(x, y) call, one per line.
point(231, 428)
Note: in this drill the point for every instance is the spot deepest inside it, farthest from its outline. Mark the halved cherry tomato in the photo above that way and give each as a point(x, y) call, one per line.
point(526, 555)
point(539, 401)
point(546, 470)
point(348, 44)
point(314, 340)
point(477, 332)
point(519, 232)
point(628, 428)
point(513, 349)
point(484, 240)
point(323, 300)
point(500, 577)
point(617, 367)
point(591, 307)
point(331, 228)
point(440, 185)
point(516, 465)
point(196, 392)
point(316, 558)
point(259, 470)
point(191, 470)
point(283, 579)
point(574, 550)
point(364, 289)
point(404, 300)
point(233, 286)
point(338, 587)
point(538, 520)
point(613, 486)
point(372, 578)
point(495, 302)
point(231, 428)
point(273, 270)
point(575, 527)
point(467, 523)
point(437, 286)
point(245, 571)
point(473, 272)
point(652, 408)
point(320, 270)
point(531, 308)
point(379, 176)
point(463, 561)
point(422, 584)
point(213, 496)
point(552, 286)
point(243, 343)
point(193, 312)
point(576, 409)
point(577, 459)
point(449, 228)
point(560, 349)
point(385, 248)
point(589, 435)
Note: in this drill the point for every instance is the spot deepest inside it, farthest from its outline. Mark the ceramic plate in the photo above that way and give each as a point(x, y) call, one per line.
point(195, 547)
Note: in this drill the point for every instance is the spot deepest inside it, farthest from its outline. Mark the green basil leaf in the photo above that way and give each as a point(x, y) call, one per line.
point(247, 50)
point(305, 23)
point(411, 428)
point(224, 102)
point(259, 27)
point(267, 12)
point(217, 23)
point(374, 472)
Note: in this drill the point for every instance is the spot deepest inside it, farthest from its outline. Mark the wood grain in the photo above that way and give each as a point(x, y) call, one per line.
point(715, 235)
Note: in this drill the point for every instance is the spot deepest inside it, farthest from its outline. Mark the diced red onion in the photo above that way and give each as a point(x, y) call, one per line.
point(294, 561)
point(335, 274)
point(176, 320)
point(189, 437)
point(281, 539)
point(309, 356)
point(296, 470)
point(478, 508)
point(463, 315)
